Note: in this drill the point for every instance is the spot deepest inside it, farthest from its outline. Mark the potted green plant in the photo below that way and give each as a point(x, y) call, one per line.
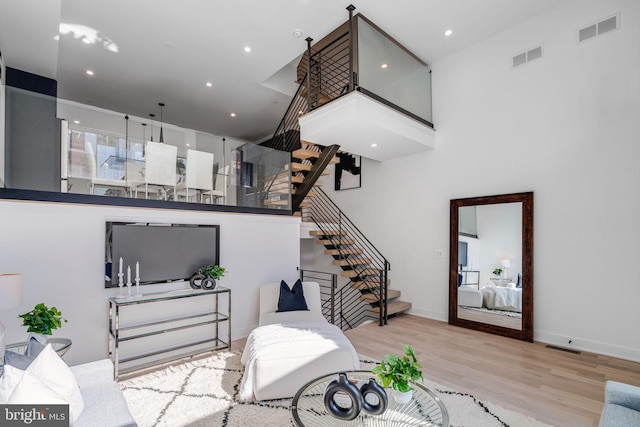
point(41, 321)
point(206, 277)
point(498, 271)
point(396, 371)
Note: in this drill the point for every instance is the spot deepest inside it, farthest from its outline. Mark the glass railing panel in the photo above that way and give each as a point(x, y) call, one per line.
point(388, 71)
point(63, 146)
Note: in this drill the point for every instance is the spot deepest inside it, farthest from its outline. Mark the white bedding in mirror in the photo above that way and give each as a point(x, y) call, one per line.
point(502, 298)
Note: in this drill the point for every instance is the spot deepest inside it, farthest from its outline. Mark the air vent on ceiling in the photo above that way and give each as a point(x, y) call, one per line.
point(527, 56)
point(604, 26)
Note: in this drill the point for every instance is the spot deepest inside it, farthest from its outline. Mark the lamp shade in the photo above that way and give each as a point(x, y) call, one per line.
point(10, 290)
point(505, 263)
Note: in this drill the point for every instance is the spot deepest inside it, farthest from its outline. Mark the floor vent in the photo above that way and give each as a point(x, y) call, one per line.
point(527, 56)
point(594, 30)
point(568, 350)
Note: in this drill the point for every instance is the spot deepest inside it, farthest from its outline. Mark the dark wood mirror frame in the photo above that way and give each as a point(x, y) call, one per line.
point(526, 332)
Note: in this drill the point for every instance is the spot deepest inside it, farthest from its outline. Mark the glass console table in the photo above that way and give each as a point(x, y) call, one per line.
point(169, 334)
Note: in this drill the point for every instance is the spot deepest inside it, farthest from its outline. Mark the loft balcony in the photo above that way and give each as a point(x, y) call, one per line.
point(366, 93)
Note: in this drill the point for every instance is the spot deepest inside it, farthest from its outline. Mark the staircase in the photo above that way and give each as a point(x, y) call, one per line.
point(361, 262)
point(366, 294)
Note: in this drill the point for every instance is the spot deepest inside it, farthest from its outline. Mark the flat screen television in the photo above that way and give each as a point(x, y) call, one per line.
point(462, 253)
point(165, 252)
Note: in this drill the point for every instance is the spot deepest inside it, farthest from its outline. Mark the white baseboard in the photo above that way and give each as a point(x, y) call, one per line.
point(435, 315)
point(627, 353)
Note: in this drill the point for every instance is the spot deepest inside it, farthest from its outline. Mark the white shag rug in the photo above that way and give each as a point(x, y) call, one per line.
point(203, 393)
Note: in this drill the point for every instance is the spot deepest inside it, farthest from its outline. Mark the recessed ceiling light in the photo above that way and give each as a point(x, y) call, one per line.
point(76, 122)
point(232, 114)
point(86, 40)
point(188, 145)
point(447, 33)
point(374, 145)
point(385, 65)
point(89, 72)
point(300, 112)
point(247, 49)
point(209, 84)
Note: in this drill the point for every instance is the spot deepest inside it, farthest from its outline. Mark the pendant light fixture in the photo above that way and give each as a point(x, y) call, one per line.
point(144, 138)
point(152, 116)
point(161, 104)
point(126, 134)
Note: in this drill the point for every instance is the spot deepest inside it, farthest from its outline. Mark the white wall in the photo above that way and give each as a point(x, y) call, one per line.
point(500, 237)
point(59, 249)
point(565, 126)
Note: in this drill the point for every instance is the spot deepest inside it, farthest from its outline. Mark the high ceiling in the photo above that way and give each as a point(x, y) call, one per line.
point(168, 50)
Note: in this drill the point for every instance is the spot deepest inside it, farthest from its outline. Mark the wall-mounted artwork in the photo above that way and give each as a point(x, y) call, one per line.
point(348, 172)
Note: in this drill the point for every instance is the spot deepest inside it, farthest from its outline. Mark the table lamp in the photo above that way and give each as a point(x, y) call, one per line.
point(505, 263)
point(10, 297)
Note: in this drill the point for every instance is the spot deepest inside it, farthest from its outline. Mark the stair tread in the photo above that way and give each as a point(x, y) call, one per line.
point(328, 232)
point(365, 272)
point(335, 241)
point(372, 297)
point(304, 153)
point(299, 167)
point(393, 307)
point(351, 261)
point(346, 251)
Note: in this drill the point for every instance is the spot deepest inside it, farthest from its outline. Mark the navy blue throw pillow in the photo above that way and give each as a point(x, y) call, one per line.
point(460, 277)
point(291, 299)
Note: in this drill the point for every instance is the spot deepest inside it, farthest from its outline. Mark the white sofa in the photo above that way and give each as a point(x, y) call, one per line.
point(289, 349)
point(104, 403)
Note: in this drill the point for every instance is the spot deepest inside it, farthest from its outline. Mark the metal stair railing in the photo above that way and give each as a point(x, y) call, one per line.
point(341, 307)
point(372, 277)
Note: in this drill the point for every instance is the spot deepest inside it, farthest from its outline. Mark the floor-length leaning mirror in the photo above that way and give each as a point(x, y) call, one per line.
point(491, 264)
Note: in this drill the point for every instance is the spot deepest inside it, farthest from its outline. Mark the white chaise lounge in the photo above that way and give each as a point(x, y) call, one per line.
point(289, 349)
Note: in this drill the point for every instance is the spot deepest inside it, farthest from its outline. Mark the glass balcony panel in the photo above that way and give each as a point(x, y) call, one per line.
point(101, 153)
point(389, 72)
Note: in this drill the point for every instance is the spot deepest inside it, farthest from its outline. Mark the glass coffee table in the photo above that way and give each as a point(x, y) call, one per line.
point(59, 345)
point(424, 409)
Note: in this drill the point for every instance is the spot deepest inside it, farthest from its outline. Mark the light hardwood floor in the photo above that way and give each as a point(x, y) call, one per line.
point(553, 386)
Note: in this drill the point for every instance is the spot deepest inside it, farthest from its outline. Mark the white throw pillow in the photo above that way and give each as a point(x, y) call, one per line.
point(50, 369)
point(9, 381)
point(31, 391)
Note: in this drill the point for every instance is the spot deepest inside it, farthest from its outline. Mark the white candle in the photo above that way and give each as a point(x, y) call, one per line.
point(120, 270)
point(128, 274)
point(137, 270)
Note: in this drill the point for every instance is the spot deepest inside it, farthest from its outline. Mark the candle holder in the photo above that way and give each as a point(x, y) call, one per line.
point(120, 285)
point(129, 290)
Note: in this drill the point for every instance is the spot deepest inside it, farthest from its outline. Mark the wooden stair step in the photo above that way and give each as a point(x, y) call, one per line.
point(365, 272)
point(351, 261)
point(304, 154)
point(303, 204)
point(299, 167)
point(297, 179)
point(365, 285)
point(372, 297)
point(335, 242)
point(328, 232)
point(297, 213)
point(393, 308)
point(344, 251)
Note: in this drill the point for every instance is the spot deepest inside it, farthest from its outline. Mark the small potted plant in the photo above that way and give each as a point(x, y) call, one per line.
point(396, 371)
point(41, 321)
point(206, 277)
point(498, 272)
